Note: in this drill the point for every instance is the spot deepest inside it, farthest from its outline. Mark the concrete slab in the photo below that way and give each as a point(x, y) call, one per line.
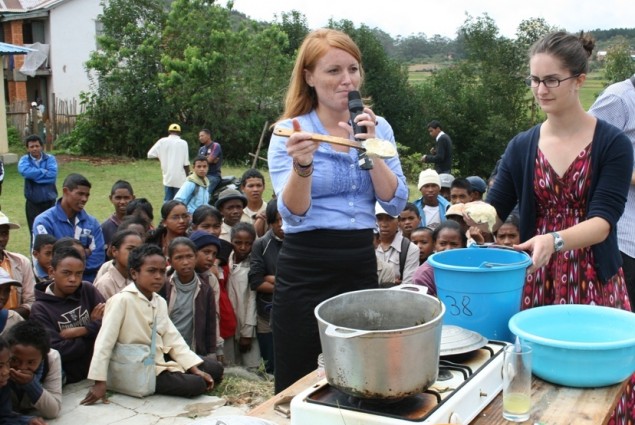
point(152, 410)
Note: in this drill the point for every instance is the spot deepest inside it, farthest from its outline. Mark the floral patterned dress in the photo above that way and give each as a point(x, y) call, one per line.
point(570, 277)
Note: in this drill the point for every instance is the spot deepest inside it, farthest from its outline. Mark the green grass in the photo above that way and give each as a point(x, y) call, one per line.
point(593, 85)
point(144, 175)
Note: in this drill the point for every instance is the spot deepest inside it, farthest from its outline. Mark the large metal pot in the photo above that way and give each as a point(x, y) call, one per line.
point(381, 343)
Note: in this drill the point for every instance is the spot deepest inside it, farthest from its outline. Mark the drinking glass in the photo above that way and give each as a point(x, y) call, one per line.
point(517, 382)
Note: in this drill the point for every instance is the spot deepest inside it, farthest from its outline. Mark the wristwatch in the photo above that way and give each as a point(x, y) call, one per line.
point(558, 242)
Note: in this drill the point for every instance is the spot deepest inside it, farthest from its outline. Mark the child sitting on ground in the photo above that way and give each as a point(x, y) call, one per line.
point(71, 311)
point(129, 319)
point(116, 278)
point(422, 237)
point(36, 370)
point(191, 303)
point(7, 415)
point(194, 192)
point(8, 318)
point(208, 219)
point(242, 348)
point(447, 236)
point(207, 246)
point(42, 255)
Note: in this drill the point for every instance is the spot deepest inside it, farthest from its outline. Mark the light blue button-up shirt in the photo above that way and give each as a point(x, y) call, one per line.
point(342, 195)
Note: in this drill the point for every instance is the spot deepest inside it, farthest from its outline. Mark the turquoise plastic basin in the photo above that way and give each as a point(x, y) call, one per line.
point(578, 345)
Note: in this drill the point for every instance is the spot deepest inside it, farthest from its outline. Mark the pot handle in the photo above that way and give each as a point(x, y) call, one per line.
point(414, 288)
point(337, 332)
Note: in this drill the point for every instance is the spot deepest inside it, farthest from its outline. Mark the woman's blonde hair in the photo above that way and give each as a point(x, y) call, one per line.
point(301, 98)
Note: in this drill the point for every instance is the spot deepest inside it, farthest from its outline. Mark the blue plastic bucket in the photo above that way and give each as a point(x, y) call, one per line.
point(481, 288)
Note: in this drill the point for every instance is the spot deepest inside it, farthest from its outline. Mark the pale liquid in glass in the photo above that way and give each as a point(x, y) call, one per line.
point(516, 407)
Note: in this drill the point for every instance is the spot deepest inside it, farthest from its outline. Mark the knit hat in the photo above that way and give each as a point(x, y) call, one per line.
point(6, 279)
point(477, 183)
point(4, 221)
point(228, 195)
point(202, 239)
point(428, 176)
point(446, 180)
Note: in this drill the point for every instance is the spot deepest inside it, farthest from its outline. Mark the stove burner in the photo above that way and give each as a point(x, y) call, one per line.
point(444, 374)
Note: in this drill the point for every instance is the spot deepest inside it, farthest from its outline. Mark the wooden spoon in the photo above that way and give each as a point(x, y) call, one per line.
point(373, 147)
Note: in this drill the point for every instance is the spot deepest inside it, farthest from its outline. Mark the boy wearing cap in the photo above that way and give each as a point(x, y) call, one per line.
point(478, 187)
point(208, 247)
point(392, 245)
point(460, 191)
point(230, 203)
point(8, 318)
point(446, 184)
point(19, 268)
point(431, 205)
point(173, 154)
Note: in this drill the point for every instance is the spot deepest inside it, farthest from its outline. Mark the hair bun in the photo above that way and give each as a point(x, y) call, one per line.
point(588, 42)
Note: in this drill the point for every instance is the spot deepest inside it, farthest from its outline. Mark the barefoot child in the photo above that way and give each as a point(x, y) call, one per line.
point(129, 319)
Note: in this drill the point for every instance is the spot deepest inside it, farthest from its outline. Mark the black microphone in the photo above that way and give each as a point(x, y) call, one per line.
point(356, 107)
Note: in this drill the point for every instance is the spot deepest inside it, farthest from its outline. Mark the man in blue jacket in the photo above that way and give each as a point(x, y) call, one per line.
point(68, 218)
point(39, 170)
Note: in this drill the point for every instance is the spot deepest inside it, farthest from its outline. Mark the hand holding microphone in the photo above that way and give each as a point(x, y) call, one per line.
point(356, 107)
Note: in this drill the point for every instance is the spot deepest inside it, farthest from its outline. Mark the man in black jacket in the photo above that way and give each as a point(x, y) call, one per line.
point(441, 156)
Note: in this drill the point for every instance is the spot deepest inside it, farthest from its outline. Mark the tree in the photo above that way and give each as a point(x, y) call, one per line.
point(482, 101)
point(126, 109)
point(227, 79)
point(619, 63)
point(294, 25)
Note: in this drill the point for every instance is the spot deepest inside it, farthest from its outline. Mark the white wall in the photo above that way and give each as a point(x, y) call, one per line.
point(72, 38)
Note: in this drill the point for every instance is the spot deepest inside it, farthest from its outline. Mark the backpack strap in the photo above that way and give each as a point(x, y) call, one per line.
point(405, 244)
point(4, 315)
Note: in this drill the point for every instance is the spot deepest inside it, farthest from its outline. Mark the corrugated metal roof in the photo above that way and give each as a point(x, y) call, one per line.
point(12, 49)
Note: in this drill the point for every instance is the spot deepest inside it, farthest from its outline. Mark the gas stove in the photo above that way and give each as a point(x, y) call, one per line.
point(467, 384)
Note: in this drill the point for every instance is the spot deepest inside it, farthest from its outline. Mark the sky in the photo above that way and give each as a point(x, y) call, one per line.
point(444, 17)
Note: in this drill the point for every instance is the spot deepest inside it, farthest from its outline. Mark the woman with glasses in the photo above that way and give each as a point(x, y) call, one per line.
point(570, 176)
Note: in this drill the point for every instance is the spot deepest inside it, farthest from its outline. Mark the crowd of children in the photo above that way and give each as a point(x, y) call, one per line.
point(201, 282)
point(186, 281)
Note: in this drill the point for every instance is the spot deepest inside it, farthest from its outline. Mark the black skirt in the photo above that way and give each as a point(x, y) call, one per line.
point(313, 267)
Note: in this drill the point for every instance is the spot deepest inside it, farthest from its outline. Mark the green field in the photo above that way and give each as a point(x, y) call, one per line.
point(594, 84)
point(144, 175)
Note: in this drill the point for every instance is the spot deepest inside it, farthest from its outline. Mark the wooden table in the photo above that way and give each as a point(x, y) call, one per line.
point(552, 404)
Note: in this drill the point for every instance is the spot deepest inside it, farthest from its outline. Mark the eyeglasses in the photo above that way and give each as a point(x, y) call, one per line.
point(182, 217)
point(550, 83)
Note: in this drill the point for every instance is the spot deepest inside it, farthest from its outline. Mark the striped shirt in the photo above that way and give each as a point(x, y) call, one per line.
point(616, 105)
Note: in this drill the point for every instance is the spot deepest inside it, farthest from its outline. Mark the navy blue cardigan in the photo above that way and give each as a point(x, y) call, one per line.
point(611, 170)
